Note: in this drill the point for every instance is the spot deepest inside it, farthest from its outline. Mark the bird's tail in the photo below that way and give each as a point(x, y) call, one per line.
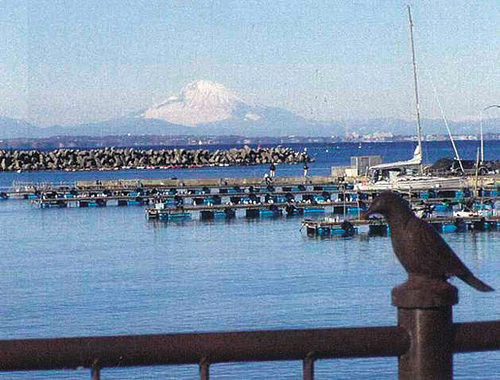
point(476, 283)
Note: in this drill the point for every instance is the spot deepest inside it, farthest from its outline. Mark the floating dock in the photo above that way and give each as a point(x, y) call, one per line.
point(33, 190)
point(215, 198)
point(378, 227)
point(252, 210)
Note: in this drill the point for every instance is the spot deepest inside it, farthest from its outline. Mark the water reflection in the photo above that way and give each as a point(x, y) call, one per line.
point(111, 271)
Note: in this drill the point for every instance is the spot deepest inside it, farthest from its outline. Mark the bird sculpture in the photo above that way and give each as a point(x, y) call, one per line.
point(418, 246)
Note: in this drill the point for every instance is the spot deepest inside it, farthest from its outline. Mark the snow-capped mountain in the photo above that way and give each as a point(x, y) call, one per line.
point(208, 108)
point(202, 102)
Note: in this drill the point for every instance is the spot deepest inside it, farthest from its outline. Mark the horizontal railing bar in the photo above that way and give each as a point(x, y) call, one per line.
point(167, 349)
point(477, 336)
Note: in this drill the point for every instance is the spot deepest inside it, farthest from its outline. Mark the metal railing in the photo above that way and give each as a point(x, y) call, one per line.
point(424, 340)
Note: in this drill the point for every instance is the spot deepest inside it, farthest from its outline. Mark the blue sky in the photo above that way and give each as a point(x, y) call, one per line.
point(69, 62)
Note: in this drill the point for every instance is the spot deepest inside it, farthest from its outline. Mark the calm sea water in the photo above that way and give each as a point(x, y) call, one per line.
point(81, 272)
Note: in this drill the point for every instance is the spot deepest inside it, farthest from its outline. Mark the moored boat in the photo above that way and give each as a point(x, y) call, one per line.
point(410, 174)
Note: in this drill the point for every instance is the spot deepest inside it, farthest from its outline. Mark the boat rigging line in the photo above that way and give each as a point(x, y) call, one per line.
point(457, 156)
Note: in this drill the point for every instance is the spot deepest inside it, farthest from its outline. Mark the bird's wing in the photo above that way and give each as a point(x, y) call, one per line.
point(438, 254)
point(441, 260)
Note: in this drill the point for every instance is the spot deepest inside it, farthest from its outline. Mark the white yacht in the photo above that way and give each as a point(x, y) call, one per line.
point(409, 175)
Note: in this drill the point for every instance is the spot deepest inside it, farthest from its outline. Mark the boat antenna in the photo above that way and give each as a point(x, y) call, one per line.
point(481, 128)
point(417, 104)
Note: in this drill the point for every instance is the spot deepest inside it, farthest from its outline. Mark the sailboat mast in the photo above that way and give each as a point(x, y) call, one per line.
point(417, 103)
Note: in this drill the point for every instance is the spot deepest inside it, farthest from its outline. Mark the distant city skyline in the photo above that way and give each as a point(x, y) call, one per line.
point(70, 62)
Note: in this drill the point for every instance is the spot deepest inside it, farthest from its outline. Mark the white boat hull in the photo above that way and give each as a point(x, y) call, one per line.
point(408, 183)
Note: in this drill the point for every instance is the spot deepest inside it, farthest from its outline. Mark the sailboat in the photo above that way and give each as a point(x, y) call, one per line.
point(408, 175)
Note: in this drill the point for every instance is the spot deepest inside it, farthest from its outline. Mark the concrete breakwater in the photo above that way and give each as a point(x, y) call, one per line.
point(115, 158)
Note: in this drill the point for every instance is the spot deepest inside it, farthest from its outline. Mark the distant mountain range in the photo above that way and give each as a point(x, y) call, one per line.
point(14, 128)
point(204, 108)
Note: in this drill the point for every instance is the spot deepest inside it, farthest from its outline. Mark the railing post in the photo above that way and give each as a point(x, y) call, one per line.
point(308, 367)
point(425, 311)
point(95, 371)
point(204, 369)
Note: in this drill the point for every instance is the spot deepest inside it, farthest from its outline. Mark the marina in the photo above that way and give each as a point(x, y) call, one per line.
point(293, 195)
point(217, 199)
point(227, 198)
point(113, 261)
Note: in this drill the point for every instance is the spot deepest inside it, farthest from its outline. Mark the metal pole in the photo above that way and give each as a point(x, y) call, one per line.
point(481, 129)
point(481, 138)
point(417, 103)
point(425, 311)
